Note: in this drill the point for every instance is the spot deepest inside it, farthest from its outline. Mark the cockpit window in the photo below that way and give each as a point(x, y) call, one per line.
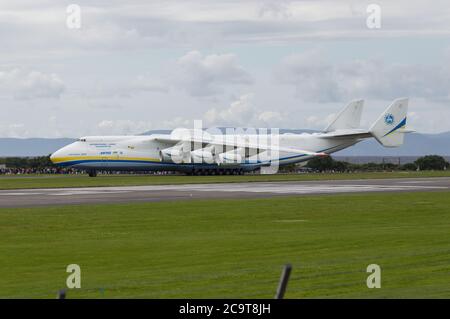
point(81, 140)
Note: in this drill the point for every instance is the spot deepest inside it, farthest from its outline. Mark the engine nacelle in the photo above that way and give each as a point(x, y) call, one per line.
point(174, 154)
point(232, 157)
point(205, 155)
point(202, 156)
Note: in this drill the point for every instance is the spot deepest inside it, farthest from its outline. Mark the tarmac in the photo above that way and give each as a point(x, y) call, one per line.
point(153, 193)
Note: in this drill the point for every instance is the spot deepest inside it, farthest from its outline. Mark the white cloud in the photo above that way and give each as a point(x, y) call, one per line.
point(126, 88)
point(14, 130)
point(319, 122)
point(208, 75)
point(123, 127)
point(145, 84)
point(135, 25)
point(178, 122)
point(316, 80)
point(270, 117)
point(123, 61)
point(22, 84)
point(242, 113)
point(238, 113)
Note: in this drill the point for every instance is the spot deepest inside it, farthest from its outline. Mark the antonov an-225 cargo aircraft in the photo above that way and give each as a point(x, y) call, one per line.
point(198, 152)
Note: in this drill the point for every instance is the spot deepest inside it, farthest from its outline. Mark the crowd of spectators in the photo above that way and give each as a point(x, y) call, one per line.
point(45, 170)
point(70, 171)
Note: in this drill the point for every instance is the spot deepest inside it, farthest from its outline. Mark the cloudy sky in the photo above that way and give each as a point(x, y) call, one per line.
point(140, 65)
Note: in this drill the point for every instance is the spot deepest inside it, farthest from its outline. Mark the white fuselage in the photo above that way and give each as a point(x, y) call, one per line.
point(198, 150)
point(144, 152)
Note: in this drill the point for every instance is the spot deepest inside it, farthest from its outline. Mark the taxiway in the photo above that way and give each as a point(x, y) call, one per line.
point(124, 194)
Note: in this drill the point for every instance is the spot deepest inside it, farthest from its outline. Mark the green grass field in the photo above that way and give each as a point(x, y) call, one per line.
point(232, 248)
point(54, 181)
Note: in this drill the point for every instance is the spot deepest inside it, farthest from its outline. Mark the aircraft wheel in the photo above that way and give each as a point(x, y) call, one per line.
point(92, 173)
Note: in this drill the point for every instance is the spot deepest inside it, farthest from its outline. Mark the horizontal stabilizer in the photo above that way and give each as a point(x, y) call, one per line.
point(345, 134)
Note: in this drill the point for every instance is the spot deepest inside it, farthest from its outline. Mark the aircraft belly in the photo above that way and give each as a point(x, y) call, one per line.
point(124, 165)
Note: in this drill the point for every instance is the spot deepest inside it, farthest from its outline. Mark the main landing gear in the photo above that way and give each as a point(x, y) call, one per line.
point(217, 172)
point(92, 173)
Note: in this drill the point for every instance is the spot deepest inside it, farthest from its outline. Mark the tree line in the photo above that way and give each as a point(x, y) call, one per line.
point(38, 162)
point(320, 164)
point(429, 162)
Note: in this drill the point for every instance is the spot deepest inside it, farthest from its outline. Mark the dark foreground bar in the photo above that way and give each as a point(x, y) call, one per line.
point(205, 308)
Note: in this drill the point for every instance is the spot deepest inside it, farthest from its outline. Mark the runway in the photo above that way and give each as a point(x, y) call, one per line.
point(150, 193)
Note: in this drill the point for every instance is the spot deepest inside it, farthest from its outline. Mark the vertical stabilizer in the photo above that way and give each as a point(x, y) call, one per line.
point(348, 118)
point(389, 129)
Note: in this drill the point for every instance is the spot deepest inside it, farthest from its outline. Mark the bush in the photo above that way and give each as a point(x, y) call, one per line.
point(431, 162)
point(409, 167)
point(327, 163)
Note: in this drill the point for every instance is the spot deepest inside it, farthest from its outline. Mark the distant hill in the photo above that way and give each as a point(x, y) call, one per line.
point(157, 132)
point(31, 146)
point(416, 144)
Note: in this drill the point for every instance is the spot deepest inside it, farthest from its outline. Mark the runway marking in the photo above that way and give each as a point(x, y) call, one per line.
point(19, 194)
point(415, 182)
point(299, 189)
point(86, 193)
point(275, 188)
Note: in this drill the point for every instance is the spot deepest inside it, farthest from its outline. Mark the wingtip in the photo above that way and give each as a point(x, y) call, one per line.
point(322, 154)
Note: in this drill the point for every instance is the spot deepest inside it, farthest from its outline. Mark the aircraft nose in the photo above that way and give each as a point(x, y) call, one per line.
point(54, 157)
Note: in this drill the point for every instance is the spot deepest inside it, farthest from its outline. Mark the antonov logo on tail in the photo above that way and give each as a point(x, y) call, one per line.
point(389, 119)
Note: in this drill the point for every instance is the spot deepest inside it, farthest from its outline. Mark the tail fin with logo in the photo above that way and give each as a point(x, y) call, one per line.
point(389, 130)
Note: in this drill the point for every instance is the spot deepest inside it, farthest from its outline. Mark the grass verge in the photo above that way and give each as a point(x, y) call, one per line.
point(232, 248)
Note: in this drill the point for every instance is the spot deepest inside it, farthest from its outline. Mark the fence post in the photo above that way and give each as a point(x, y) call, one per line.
point(61, 294)
point(283, 281)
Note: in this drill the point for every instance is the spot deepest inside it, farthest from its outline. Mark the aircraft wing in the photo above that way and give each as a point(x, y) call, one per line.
point(228, 143)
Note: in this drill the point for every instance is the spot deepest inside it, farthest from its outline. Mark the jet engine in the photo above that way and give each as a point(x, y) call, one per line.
point(175, 154)
point(204, 155)
point(232, 157)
